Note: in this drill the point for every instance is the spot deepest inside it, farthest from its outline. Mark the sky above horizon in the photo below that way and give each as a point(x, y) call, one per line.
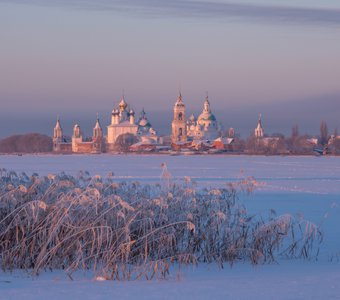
point(74, 58)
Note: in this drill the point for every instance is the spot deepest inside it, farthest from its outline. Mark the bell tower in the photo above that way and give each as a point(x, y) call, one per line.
point(179, 131)
point(259, 132)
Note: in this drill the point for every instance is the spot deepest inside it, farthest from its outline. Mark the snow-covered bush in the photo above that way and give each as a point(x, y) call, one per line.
point(128, 230)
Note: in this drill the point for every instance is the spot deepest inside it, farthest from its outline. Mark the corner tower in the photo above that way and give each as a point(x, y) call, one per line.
point(97, 138)
point(179, 131)
point(77, 138)
point(57, 136)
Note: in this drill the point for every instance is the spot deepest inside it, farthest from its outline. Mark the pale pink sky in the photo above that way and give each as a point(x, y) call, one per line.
point(74, 58)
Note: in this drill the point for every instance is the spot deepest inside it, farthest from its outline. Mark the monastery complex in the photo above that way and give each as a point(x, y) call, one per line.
point(203, 132)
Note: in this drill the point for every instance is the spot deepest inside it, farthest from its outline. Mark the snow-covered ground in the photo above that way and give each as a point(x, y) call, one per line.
point(309, 186)
point(290, 280)
point(304, 174)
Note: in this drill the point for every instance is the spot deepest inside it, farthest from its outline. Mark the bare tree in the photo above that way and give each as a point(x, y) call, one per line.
point(334, 147)
point(323, 133)
point(124, 141)
point(238, 145)
point(335, 132)
point(295, 131)
point(26, 143)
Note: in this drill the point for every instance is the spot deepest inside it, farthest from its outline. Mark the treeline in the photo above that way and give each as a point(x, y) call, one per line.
point(300, 145)
point(26, 143)
point(296, 144)
point(276, 144)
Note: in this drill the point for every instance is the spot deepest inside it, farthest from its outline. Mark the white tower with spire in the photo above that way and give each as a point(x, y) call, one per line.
point(57, 136)
point(259, 132)
point(97, 130)
point(97, 138)
point(179, 130)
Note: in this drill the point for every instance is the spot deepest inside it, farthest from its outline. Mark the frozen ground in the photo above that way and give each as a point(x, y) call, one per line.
point(309, 186)
point(306, 174)
point(290, 280)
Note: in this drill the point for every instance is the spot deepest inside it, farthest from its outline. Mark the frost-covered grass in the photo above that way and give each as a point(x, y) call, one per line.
point(128, 230)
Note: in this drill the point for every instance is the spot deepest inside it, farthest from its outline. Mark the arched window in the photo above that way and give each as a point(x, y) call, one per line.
point(180, 116)
point(180, 132)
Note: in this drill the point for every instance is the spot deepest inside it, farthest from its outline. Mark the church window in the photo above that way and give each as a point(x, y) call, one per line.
point(180, 116)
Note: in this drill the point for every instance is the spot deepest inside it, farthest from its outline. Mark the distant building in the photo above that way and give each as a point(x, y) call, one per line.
point(333, 138)
point(223, 143)
point(231, 133)
point(57, 136)
point(259, 132)
point(94, 145)
point(179, 130)
point(191, 131)
point(122, 122)
point(98, 143)
point(59, 142)
point(205, 127)
point(145, 131)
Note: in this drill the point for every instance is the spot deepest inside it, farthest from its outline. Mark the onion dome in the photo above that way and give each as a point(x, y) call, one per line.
point(206, 114)
point(142, 114)
point(122, 104)
point(143, 120)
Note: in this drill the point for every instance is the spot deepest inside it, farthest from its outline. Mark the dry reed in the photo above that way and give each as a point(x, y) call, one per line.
point(126, 231)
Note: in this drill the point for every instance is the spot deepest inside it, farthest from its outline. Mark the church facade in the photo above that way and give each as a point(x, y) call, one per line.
point(122, 122)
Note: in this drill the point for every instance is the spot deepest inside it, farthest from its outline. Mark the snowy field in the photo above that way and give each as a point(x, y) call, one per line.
point(305, 174)
point(309, 186)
